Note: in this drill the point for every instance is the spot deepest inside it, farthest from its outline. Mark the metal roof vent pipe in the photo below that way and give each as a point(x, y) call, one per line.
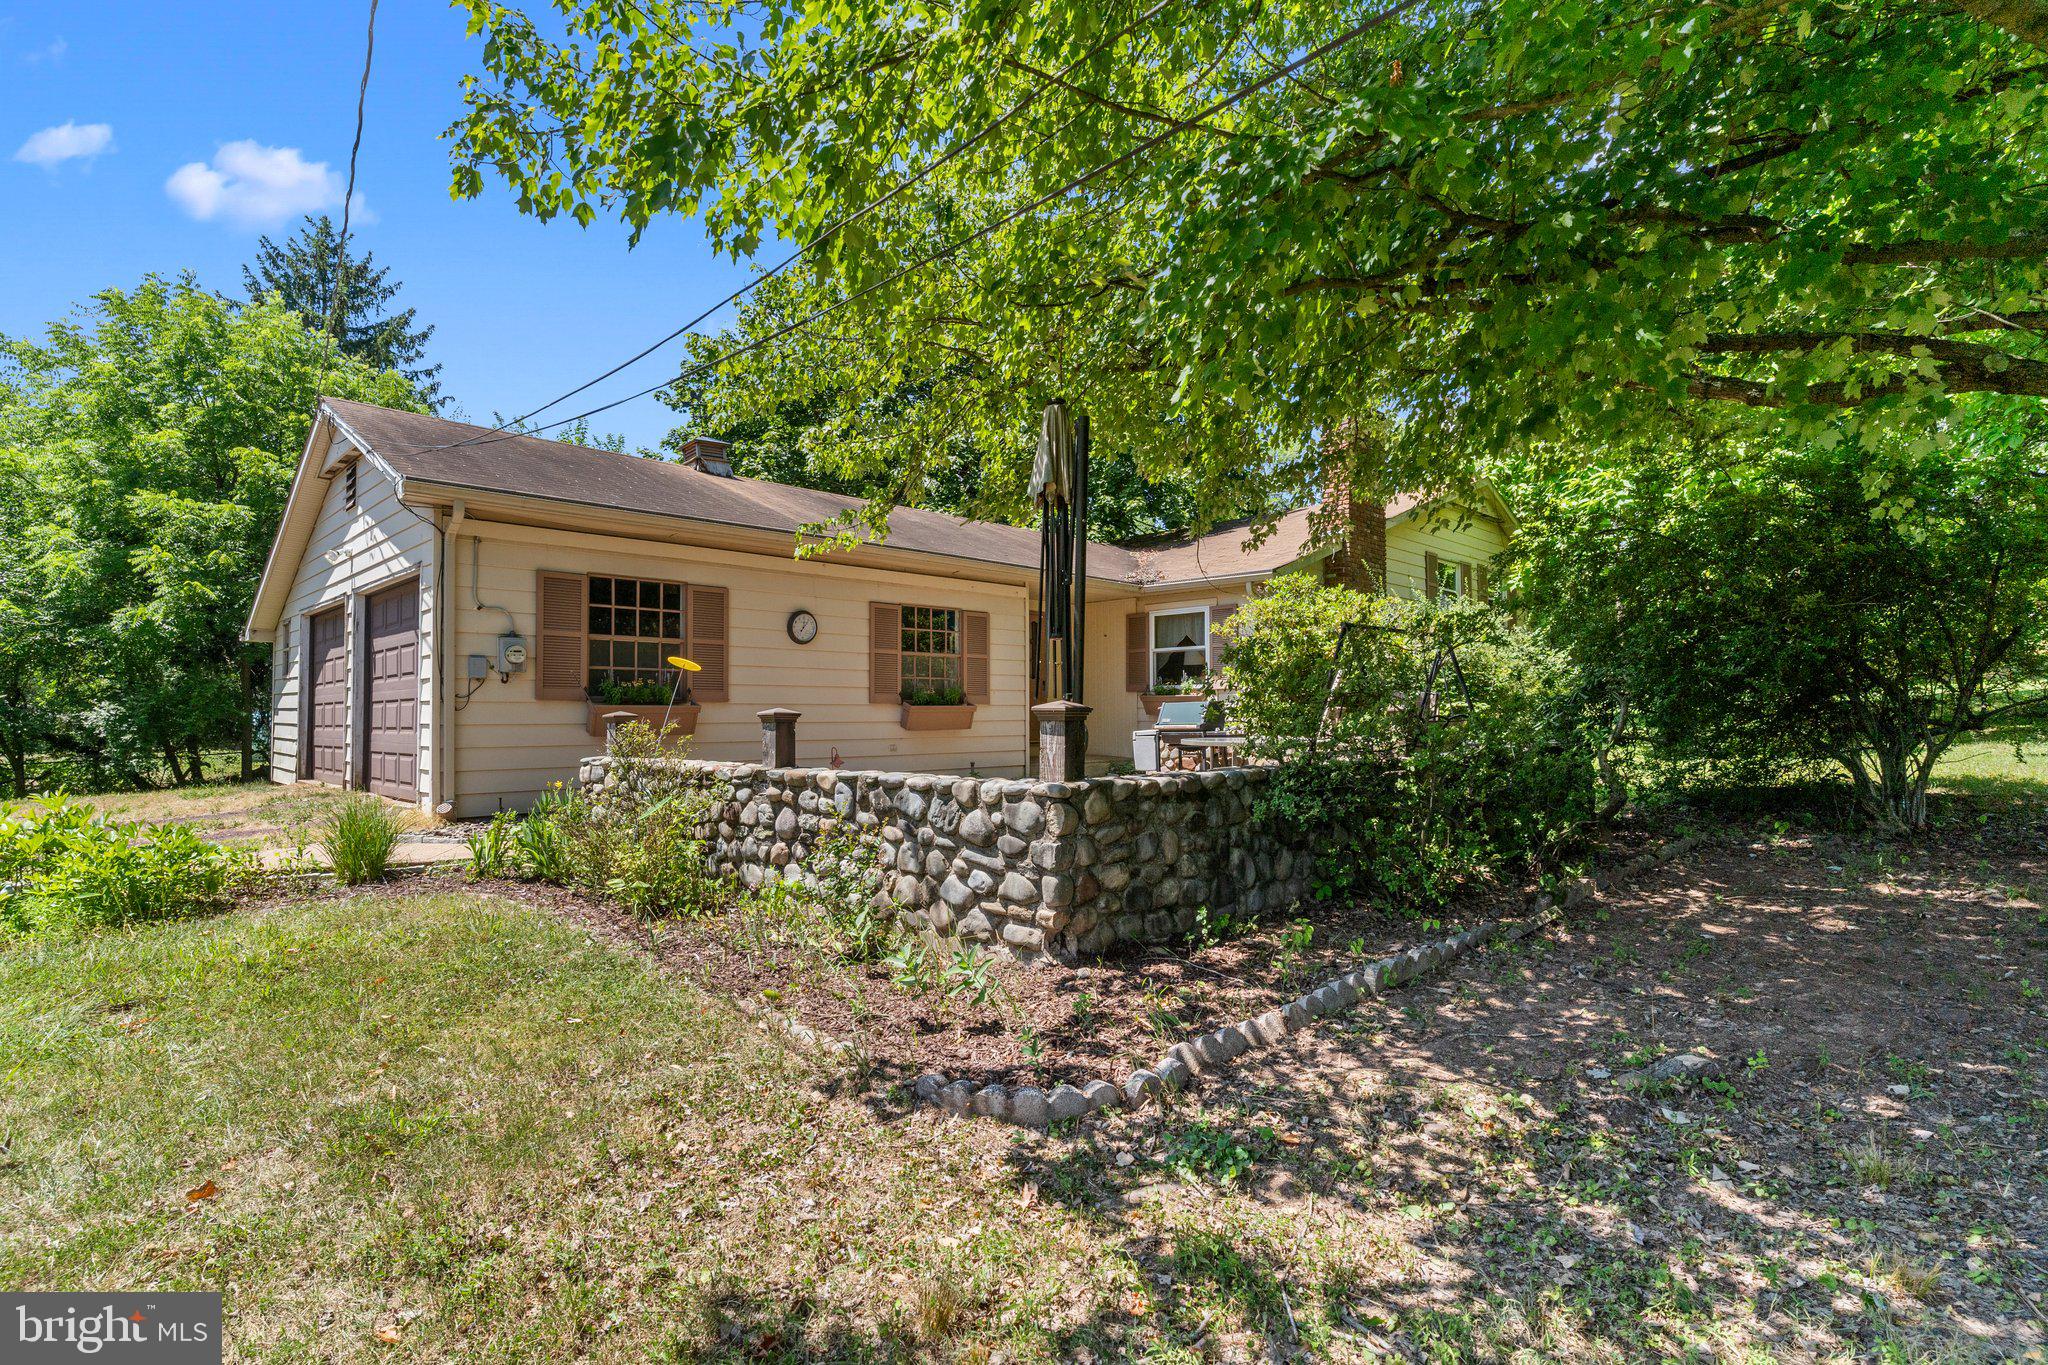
point(708, 455)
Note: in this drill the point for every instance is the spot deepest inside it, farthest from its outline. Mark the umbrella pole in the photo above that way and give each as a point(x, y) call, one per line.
point(1078, 576)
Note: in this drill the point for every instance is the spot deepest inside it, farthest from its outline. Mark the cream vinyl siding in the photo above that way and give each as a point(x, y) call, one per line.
point(351, 554)
point(1458, 535)
point(510, 745)
point(1118, 712)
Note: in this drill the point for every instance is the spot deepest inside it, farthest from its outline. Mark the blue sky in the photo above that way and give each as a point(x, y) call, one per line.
point(217, 118)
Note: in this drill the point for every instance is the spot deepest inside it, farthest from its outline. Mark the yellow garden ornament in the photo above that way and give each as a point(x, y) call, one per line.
point(682, 666)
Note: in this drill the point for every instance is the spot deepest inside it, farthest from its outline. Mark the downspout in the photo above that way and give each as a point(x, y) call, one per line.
point(451, 558)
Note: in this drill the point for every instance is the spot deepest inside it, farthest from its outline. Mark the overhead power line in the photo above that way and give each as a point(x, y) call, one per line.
point(339, 317)
point(1175, 128)
point(952, 154)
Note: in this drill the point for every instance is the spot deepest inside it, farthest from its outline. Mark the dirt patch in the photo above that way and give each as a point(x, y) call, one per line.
point(1859, 1174)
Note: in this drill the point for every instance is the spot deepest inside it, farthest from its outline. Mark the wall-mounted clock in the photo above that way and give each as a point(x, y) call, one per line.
point(803, 627)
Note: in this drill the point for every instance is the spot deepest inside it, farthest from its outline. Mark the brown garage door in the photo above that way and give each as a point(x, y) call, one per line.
point(393, 743)
point(327, 704)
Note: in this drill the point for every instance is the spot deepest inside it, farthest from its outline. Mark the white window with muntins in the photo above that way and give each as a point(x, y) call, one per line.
point(1180, 647)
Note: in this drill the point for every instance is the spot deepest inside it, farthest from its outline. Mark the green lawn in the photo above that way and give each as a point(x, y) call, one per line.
point(450, 1120)
point(254, 813)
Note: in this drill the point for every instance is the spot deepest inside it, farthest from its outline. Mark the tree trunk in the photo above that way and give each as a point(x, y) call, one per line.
point(1610, 776)
point(171, 758)
point(193, 760)
point(248, 725)
point(2026, 20)
point(17, 770)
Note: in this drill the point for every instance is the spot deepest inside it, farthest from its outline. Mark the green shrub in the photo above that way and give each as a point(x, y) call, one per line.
point(1418, 781)
point(66, 867)
point(359, 835)
point(639, 845)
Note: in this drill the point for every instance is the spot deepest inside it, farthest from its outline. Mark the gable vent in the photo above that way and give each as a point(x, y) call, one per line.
point(348, 485)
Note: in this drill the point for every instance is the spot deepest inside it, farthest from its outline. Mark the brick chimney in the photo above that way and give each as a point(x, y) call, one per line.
point(1358, 525)
point(708, 455)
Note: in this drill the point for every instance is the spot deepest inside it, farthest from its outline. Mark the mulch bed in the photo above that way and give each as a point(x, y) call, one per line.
point(1047, 1023)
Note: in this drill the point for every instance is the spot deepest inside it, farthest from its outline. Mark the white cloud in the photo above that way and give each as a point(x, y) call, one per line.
point(52, 52)
point(66, 142)
point(252, 185)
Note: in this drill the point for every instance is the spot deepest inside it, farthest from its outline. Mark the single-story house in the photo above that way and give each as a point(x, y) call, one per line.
point(442, 598)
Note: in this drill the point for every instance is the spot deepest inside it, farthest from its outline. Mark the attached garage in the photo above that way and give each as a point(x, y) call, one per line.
point(392, 653)
point(326, 757)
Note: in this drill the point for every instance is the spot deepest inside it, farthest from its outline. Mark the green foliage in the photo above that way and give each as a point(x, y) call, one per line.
point(641, 845)
point(65, 867)
point(544, 843)
point(1530, 220)
point(492, 848)
point(1416, 785)
point(301, 274)
point(935, 696)
point(146, 448)
point(612, 690)
point(1279, 649)
point(1201, 1152)
point(1783, 607)
point(359, 836)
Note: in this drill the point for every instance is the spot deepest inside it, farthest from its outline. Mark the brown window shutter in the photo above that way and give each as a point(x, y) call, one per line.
point(1479, 582)
point(974, 656)
point(559, 637)
point(885, 652)
point(1217, 616)
point(1137, 651)
point(1429, 576)
point(707, 646)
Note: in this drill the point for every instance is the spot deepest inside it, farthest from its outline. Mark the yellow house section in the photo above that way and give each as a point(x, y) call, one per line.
point(1456, 534)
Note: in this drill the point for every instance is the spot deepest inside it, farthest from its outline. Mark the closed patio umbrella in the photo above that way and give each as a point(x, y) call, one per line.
point(1059, 485)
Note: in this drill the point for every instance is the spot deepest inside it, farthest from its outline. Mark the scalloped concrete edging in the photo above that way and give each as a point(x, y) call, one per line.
point(1185, 1062)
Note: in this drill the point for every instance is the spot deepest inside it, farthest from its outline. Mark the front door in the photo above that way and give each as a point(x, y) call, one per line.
point(392, 745)
point(327, 706)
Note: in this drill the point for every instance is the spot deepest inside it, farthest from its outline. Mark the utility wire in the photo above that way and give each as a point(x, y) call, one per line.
point(1171, 130)
point(825, 234)
point(338, 319)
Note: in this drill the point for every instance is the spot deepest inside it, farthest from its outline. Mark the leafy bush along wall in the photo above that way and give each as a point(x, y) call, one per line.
point(1024, 868)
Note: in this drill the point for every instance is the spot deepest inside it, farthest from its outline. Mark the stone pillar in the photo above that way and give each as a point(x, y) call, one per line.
point(778, 736)
point(1062, 740)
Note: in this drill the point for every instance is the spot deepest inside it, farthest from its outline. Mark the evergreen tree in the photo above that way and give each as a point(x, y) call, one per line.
point(301, 275)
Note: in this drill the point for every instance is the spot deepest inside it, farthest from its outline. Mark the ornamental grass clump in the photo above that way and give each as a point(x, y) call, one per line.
point(359, 836)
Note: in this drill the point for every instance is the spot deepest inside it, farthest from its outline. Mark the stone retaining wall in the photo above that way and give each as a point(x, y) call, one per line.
point(1024, 868)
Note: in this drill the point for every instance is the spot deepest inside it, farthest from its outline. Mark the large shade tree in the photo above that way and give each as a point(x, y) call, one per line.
point(1493, 223)
point(1806, 604)
point(147, 444)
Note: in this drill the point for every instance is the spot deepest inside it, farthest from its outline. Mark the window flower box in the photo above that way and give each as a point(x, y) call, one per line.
point(958, 717)
point(683, 716)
